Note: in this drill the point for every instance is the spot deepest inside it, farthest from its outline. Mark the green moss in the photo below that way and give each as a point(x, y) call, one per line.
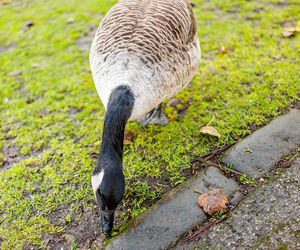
point(55, 134)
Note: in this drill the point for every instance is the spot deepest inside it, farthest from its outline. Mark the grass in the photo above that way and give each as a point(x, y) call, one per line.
point(51, 117)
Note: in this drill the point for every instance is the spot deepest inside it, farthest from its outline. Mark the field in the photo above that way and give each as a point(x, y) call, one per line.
point(51, 118)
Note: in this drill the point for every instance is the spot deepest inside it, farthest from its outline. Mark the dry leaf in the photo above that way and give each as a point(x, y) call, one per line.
point(293, 29)
point(287, 34)
point(210, 131)
point(29, 100)
point(290, 31)
point(5, 2)
point(128, 137)
point(223, 51)
point(172, 117)
point(214, 201)
point(126, 142)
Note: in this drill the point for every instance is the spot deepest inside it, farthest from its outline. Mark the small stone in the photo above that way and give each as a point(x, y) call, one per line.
point(174, 102)
point(70, 20)
point(237, 197)
point(15, 73)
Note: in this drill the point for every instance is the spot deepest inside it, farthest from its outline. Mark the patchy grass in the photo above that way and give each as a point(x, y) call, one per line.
point(51, 118)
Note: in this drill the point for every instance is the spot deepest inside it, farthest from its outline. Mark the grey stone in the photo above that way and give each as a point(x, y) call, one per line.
point(267, 219)
point(267, 145)
point(173, 215)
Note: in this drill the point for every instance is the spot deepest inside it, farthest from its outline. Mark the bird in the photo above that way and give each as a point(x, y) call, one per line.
point(143, 52)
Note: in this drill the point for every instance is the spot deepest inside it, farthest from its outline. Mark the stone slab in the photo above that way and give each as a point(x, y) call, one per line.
point(174, 214)
point(267, 219)
point(267, 145)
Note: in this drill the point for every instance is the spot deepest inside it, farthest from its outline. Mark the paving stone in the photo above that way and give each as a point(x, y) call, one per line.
point(174, 214)
point(267, 145)
point(267, 219)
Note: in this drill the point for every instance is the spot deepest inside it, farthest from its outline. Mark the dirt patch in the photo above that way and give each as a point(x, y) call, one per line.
point(12, 155)
point(85, 41)
point(81, 230)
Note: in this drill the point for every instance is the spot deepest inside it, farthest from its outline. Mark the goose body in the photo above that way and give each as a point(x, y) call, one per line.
point(144, 52)
point(152, 46)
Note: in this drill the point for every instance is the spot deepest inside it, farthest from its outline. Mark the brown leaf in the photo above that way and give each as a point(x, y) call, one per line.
point(128, 137)
point(223, 51)
point(287, 34)
point(29, 100)
point(290, 31)
point(214, 201)
point(210, 131)
point(5, 2)
point(126, 142)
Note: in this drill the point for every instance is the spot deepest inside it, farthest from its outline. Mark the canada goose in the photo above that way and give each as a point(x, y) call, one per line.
point(144, 52)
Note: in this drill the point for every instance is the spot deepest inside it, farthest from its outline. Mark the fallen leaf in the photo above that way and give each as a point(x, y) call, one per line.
point(287, 34)
point(214, 201)
point(29, 100)
point(5, 2)
point(294, 29)
point(128, 137)
point(290, 31)
point(223, 51)
point(210, 131)
point(126, 142)
point(172, 117)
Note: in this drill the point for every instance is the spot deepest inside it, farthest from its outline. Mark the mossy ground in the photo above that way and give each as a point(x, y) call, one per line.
point(51, 117)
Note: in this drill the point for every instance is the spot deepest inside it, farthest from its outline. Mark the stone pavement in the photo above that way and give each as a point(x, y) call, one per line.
point(267, 219)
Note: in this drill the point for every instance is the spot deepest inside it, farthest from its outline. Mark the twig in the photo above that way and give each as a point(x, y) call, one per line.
point(208, 226)
point(211, 154)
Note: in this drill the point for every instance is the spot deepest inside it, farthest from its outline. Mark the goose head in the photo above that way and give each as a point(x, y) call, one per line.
point(108, 186)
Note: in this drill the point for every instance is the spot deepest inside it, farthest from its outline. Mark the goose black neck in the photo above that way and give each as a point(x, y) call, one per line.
point(119, 109)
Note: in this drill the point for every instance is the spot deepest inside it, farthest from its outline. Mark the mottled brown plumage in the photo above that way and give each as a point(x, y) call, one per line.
point(161, 35)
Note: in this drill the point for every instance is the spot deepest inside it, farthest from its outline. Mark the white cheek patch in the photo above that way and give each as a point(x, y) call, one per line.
point(96, 180)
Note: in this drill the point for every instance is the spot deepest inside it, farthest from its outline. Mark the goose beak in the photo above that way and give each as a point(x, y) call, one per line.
point(107, 220)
